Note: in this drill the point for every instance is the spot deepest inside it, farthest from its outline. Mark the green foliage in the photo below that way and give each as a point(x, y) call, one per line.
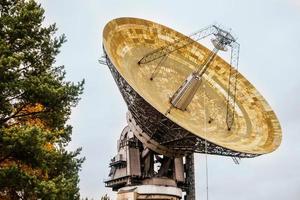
point(35, 104)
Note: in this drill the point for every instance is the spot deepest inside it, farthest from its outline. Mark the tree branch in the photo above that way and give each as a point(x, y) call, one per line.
point(31, 113)
point(15, 97)
point(13, 115)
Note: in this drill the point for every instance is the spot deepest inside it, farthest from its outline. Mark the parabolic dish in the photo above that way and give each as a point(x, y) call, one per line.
point(256, 129)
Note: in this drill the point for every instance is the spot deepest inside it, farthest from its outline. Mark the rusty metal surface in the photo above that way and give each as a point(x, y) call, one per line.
point(256, 129)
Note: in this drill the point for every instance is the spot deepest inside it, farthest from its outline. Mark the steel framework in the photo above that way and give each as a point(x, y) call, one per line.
point(160, 130)
point(227, 40)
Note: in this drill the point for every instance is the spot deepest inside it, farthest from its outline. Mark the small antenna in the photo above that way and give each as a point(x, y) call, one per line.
point(236, 160)
point(102, 60)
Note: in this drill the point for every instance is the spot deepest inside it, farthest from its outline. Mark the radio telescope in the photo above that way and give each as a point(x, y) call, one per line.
point(182, 99)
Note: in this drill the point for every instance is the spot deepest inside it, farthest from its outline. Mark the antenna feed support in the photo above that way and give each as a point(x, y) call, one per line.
point(185, 93)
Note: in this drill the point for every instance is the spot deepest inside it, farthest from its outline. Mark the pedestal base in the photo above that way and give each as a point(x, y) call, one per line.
point(148, 192)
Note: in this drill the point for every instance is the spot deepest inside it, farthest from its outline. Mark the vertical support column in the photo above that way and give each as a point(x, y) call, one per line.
point(190, 177)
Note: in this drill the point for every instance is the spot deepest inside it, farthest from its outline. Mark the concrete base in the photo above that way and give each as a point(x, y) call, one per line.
point(143, 192)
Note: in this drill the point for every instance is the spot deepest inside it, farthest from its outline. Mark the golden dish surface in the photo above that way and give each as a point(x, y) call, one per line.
point(256, 129)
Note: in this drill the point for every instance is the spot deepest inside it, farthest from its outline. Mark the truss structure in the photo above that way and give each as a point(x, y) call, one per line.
point(161, 131)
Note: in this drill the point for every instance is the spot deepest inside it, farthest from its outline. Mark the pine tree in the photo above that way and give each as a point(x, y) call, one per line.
point(35, 104)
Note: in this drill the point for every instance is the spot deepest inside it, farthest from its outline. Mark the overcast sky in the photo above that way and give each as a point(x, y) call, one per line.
point(269, 34)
